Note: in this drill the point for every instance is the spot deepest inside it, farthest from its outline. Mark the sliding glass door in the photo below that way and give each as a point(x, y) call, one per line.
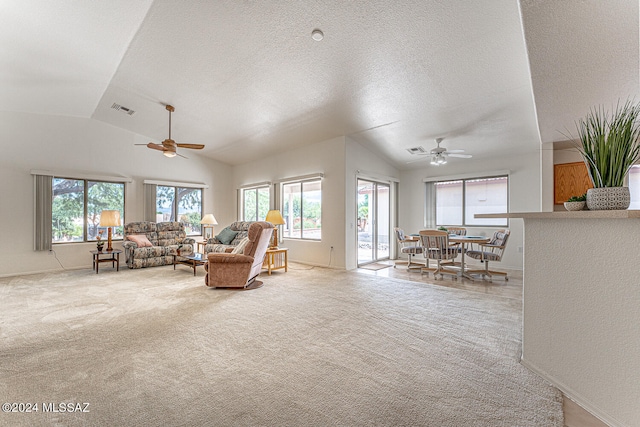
point(373, 221)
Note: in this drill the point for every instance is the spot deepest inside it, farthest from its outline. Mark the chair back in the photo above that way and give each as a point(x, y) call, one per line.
point(259, 235)
point(435, 245)
point(460, 231)
point(500, 238)
point(400, 236)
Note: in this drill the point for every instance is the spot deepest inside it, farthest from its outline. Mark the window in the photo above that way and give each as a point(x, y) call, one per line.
point(181, 204)
point(458, 201)
point(255, 203)
point(302, 210)
point(77, 205)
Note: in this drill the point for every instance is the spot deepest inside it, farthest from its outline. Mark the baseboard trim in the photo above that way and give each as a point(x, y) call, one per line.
point(573, 395)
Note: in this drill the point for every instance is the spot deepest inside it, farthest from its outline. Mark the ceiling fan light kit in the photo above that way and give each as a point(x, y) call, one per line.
point(169, 146)
point(438, 155)
point(438, 160)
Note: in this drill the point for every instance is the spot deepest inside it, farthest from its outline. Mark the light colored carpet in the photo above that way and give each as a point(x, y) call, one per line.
point(310, 348)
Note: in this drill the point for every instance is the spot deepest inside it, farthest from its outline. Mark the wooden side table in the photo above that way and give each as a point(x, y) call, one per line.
point(201, 246)
point(114, 258)
point(276, 259)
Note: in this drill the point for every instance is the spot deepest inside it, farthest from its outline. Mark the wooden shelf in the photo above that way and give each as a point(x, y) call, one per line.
point(618, 214)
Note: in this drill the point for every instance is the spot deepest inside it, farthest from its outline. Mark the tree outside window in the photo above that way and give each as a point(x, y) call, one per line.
point(181, 204)
point(302, 210)
point(255, 203)
point(77, 205)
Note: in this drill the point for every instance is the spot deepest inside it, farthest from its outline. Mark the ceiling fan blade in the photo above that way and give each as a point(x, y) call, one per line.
point(192, 146)
point(155, 146)
point(462, 156)
point(184, 157)
point(455, 151)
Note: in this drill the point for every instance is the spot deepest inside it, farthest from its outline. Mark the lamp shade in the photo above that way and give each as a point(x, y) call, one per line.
point(274, 217)
point(209, 219)
point(110, 218)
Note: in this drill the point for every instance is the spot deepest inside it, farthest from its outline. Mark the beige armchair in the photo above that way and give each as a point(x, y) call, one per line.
point(229, 270)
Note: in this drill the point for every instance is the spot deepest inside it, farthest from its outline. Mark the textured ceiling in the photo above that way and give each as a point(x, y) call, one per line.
point(247, 79)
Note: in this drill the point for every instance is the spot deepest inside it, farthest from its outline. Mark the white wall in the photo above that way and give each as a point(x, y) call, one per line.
point(581, 312)
point(327, 157)
point(85, 147)
point(524, 195)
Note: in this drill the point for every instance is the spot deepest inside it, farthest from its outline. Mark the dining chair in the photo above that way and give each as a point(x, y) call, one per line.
point(459, 231)
point(409, 245)
point(435, 246)
point(490, 251)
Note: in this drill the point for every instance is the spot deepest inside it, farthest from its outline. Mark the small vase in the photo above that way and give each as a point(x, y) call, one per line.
point(100, 248)
point(608, 198)
point(574, 206)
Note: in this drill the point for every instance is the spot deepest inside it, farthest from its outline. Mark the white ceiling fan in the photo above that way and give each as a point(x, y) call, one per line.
point(439, 154)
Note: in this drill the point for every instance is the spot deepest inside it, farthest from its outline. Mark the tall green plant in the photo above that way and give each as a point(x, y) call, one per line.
point(610, 145)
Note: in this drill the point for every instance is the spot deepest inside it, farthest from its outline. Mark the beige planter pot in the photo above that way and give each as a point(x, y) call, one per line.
point(575, 206)
point(608, 198)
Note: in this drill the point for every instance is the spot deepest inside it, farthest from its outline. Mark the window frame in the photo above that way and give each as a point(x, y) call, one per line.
point(301, 183)
point(257, 189)
point(175, 205)
point(85, 202)
point(464, 181)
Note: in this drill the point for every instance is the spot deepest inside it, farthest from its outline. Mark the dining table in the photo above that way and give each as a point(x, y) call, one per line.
point(464, 241)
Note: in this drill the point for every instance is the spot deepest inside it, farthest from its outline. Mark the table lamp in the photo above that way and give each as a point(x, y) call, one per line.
point(274, 217)
point(109, 218)
point(208, 221)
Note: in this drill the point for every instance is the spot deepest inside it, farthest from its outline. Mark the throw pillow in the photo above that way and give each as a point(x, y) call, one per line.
point(226, 236)
point(239, 249)
point(140, 240)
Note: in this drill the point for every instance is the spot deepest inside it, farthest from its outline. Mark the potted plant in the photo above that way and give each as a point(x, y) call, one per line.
point(576, 203)
point(99, 242)
point(609, 145)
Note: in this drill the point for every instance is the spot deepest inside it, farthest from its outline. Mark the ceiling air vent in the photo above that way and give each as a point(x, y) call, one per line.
point(416, 150)
point(119, 107)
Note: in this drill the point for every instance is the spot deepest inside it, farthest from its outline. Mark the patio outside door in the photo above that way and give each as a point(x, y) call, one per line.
point(373, 221)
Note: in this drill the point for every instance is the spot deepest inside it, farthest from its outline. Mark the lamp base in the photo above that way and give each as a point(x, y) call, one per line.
point(274, 238)
point(109, 247)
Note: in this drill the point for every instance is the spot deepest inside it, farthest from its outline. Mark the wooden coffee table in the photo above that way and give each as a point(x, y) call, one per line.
point(191, 259)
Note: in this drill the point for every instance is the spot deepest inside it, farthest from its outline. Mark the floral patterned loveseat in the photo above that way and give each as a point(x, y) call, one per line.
point(215, 245)
point(164, 237)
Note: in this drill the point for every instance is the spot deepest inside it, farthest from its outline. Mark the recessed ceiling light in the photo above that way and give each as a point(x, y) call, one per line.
point(317, 35)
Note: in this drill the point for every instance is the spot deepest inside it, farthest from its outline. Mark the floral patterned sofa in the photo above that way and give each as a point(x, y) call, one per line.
point(241, 228)
point(155, 243)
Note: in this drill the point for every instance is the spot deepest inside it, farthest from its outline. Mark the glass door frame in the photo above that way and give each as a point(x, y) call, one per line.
point(374, 214)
